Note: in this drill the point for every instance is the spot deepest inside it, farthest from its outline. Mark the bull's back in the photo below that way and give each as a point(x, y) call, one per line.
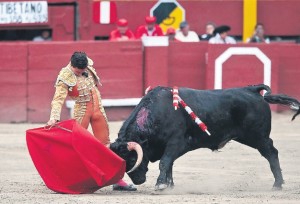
point(236, 102)
point(226, 108)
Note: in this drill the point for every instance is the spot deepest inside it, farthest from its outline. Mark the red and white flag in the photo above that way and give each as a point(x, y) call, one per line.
point(104, 12)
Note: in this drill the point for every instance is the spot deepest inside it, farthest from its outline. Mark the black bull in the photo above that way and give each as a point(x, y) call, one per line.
point(165, 134)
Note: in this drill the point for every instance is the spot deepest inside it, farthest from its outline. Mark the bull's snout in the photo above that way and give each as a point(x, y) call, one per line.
point(138, 180)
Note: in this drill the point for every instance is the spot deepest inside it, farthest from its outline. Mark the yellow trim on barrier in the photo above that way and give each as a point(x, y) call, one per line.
point(250, 18)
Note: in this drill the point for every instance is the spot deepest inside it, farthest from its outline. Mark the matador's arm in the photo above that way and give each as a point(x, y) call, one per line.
point(59, 98)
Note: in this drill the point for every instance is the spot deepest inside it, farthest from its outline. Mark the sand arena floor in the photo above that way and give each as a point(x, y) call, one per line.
point(236, 174)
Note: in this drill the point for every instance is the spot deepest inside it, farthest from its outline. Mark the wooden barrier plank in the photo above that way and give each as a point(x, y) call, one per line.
point(289, 72)
point(13, 109)
point(39, 103)
point(156, 66)
point(245, 70)
point(12, 90)
point(13, 77)
point(187, 63)
point(13, 82)
point(13, 56)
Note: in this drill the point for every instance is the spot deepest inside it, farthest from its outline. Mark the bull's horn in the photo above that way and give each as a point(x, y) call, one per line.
point(136, 147)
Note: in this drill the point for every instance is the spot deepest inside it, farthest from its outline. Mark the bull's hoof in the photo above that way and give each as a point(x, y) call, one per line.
point(278, 185)
point(161, 187)
point(277, 188)
point(171, 186)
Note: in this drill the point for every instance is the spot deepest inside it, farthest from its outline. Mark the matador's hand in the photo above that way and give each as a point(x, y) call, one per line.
point(51, 122)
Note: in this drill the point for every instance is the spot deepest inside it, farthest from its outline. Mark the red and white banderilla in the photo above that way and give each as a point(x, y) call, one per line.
point(177, 100)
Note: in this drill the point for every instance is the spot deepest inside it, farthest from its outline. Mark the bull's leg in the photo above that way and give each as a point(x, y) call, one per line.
point(267, 150)
point(172, 152)
point(164, 166)
point(170, 182)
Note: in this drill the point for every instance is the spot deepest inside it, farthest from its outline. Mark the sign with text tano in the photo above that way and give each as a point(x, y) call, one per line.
point(23, 12)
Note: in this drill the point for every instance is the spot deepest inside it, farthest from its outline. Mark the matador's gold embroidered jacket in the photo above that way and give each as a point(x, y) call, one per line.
point(79, 88)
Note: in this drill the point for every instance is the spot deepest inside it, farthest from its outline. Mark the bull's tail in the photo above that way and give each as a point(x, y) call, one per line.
point(258, 88)
point(278, 98)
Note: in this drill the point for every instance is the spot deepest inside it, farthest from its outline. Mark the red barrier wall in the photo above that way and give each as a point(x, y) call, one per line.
point(187, 64)
point(28, 72)
point(13, 82)
point(156, 66)
point(179, 64)
point(289, 70)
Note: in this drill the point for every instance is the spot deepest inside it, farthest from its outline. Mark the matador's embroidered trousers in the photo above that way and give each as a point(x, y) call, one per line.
point(91, 112)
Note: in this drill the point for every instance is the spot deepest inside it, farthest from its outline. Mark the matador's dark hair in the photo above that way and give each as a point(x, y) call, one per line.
point(79, 60)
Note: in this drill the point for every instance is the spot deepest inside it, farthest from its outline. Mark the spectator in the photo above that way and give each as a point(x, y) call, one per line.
point(209, 29)
point(150, 29)
point(171, 34)
point(221, 36)
point(122, 32)
point(45, 36)
point(185, 34)
point(258, 35)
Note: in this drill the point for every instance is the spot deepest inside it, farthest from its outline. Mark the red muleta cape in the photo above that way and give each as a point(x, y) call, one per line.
point(71, 160)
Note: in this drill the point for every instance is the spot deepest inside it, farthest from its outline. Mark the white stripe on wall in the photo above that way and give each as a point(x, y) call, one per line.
point(105, 12)
point(241, 51)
